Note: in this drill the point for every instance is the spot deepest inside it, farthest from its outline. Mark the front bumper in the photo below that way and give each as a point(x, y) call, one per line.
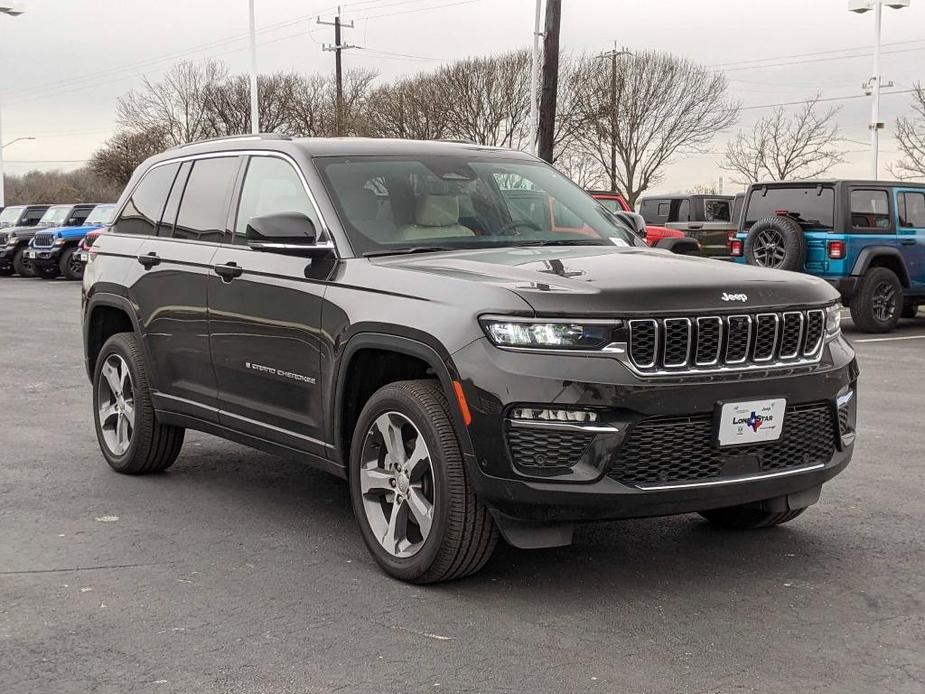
point(44, 257)
point(494, 380)
point(846, 286)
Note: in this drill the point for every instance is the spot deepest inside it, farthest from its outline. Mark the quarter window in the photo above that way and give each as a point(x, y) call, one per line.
point(870, 209)
point(143, 210)
point(204, 209)
point(271, 186)
point(716, 211)
point(912, 210)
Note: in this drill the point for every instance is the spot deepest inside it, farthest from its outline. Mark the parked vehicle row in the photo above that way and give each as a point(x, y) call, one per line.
point(45, 240)
point(866, 238)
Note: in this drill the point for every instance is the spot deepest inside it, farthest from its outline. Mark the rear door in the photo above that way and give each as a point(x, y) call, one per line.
point(910, 206)
point(265, 317)
point(171, 284)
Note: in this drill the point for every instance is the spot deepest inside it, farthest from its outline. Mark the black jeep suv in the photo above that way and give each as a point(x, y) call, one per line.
point(381, 309)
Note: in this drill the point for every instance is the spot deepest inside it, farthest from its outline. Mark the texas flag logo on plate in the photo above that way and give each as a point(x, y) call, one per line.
point(755, 421)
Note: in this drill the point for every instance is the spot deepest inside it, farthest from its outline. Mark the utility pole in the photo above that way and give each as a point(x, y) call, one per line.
point(337, 47)
point(535, 79)
point(550, 79)
point(613, 55)
point(255, 118)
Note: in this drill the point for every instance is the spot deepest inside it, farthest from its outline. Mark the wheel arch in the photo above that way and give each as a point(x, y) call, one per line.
point(882, 256)
point(106, 315)
point(397, 358)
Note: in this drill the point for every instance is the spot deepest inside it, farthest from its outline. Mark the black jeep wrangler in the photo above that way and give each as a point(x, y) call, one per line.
point(383, 310)
point(16, 219)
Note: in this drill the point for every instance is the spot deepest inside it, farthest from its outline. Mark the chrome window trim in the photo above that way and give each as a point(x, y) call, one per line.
point(796, 352)
point(687, 354)
point(818, 345)
point(758, 318)
point(327, 236)
point(748, 339)
point(719, 341)
point(655, 347)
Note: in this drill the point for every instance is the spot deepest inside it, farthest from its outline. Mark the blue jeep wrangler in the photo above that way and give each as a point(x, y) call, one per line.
point(55, 251)
point(867, 238)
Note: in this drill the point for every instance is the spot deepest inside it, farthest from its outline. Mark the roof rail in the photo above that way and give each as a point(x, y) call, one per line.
point(233, 138)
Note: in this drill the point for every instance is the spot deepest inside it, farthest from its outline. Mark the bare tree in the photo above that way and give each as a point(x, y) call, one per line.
point(411, 108)
point(123, 152)
point(582, 168)
point(312, 112)
point(177, 105)
point(663, 104)
point(783, 146)
point(910, 134)
point(227, 103)
point(80, 185)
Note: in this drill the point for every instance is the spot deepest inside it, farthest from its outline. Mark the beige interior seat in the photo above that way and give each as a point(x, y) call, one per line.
point(435, 216)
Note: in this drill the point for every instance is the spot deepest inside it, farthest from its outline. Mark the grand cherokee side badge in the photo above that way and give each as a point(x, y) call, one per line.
point(734, 297)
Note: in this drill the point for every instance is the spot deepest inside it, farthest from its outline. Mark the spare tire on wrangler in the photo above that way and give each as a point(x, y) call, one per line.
point(776, 242)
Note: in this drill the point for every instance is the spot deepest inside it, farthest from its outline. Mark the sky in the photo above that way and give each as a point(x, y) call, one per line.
point(64, 63)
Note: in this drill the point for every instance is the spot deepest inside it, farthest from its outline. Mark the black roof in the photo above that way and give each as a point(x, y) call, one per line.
point(839, 181)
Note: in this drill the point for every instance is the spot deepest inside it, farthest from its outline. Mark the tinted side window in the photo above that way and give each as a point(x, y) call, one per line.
point(143, 210)
point(870, 209)
point(716, 211)
point(78, 217)
point(32, 217)
point(204, 208)
point(650, 211)
point(912, 210)
point(271, 185)
point(664, 209)
point(169, 218)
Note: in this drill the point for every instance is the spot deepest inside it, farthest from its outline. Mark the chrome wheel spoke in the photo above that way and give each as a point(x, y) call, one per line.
point(376, 481)
point(421, 510)
point(113, 379)
point(107, 412)
point(116, 405)
point(418, 463)
point(391, 437)
point(396, 533)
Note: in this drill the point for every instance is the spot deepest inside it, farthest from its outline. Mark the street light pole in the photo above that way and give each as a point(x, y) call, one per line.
point(535, 79)
point(255, 118)
point(876, 82)
point(14, 10)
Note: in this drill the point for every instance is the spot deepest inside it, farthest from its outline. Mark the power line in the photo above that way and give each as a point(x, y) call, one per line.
point(820, 60)
point(808, 55)
point(827, 98)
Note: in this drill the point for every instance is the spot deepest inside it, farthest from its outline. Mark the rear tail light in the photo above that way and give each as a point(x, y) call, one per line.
point(736, 248)
point(837, 250)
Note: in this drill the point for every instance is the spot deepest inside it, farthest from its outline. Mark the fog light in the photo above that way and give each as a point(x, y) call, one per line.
point(542, 415)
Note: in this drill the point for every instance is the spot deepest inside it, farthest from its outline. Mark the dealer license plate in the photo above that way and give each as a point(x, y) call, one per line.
point(754, 421)
point(83, 256)
point(30, 254)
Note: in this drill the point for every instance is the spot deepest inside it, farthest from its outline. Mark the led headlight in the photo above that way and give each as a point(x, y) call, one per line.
point(60, 242)
point(833, 321)
point(11, 241)
point(548, 334)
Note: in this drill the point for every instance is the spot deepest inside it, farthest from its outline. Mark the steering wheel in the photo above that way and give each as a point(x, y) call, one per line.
point(513, 224)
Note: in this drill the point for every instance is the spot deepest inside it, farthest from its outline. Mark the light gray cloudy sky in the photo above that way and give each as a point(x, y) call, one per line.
point(64, 63)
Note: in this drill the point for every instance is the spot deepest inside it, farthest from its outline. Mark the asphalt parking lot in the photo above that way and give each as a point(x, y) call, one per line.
point(240, 572)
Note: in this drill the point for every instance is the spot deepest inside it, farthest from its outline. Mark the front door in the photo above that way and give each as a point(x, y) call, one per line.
point(910, 204)
point(265, 319)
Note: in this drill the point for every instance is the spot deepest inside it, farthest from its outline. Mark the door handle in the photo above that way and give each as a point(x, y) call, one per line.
point(228, 271)
point(695, 227)
point(149, 260)
point(908, 242)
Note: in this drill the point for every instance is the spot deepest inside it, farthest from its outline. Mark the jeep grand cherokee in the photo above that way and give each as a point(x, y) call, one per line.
point(390, 312)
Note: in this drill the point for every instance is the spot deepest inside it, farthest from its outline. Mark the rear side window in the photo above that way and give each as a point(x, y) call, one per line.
point(143, 210)
point(78, 217)
point(664, 209)
point(870, 209)
point(912, 210)
point(655, 211)
point(32, 217)
point(716, 211)
point(204, 208)
point(737, 208)
point(813, 206)
point(272, 186)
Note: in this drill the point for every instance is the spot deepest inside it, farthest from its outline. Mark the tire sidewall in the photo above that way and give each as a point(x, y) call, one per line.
point(117, 344)
point(393, 399)
point(875, 277)
point(65, 265)
point(21, 266)
point(794, 242)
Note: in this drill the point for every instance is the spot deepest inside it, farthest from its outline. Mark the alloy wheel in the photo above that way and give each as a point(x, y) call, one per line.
point(884, 302)
point(116, 404)
point(769, 250)
point(397, 484)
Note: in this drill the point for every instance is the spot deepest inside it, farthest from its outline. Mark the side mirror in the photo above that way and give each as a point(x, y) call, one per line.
point(290, 233)
point(634, 221)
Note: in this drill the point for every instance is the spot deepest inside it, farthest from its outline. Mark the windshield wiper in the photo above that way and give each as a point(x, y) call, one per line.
point(407, 251)
point(562, 242)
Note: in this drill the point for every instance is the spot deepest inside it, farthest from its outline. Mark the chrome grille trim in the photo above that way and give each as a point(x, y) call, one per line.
point(44, 240)
point(722, 344)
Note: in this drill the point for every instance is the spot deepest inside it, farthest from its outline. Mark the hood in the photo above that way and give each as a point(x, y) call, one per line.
point(600, 280)
point(22, 232)
point(74, 232)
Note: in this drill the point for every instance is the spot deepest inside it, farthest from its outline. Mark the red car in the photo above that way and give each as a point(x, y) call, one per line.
point(617, 203)
point(83, 250)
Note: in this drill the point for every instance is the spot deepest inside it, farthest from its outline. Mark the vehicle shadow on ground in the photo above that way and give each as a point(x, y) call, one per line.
point(660, 555)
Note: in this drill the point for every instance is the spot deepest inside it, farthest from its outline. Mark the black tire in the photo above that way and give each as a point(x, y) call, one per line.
point(71, 268)
point(745, 518)
point(21, 266)
point(776, 242)
point(6, 271)
point(910, 311)
point(463, 535)
point(153, 447)
point(877, 303)
point(46, 272)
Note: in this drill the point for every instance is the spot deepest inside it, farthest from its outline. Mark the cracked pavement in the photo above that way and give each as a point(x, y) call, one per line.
point(240, 572)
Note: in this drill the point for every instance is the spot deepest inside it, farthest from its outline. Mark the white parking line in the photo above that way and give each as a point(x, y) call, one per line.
point(891, 339)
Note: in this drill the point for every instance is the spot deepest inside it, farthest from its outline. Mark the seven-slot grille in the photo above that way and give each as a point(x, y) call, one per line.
point(44, 240)
point(733, 341)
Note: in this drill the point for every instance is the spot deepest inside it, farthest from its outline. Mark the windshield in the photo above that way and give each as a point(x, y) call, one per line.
point(402, 204)
point(812, 205)
point(102, 214)
point(55, 216)
point(9, 216)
